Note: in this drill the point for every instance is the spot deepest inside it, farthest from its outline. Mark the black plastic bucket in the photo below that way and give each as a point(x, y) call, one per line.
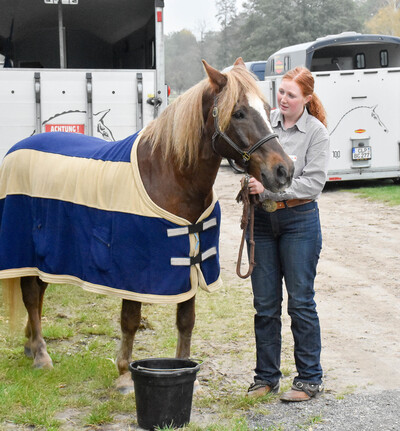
point(163, 391)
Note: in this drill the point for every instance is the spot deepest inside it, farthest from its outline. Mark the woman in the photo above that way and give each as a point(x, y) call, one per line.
point(288, 242)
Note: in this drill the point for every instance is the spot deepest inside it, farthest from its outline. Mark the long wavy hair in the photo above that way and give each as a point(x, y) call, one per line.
point(304, 79)
point(178, 130)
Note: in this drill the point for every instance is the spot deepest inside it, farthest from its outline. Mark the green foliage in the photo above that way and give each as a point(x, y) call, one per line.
point(385, 21)
point(183, 66)
point(387, 193)
point(272, 25)
point(260, 29)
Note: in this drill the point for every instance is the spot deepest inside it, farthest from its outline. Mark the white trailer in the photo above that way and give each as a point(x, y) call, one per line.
point(357, 78)
point(80, 66)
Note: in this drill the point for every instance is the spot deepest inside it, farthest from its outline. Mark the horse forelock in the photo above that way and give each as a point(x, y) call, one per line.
point(178, 130)
point(240, 81)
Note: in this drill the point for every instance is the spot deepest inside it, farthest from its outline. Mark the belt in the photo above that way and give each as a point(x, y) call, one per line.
point(271, 206)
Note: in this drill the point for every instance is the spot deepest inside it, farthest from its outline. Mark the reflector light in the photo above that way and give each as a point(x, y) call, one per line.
point(335, 178)
point(159, 16)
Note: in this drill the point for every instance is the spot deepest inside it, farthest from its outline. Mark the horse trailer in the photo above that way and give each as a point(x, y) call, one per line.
point(80, 66)
point(357, 78)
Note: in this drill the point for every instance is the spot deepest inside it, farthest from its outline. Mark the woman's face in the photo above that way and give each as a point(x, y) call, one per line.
point(291, 101)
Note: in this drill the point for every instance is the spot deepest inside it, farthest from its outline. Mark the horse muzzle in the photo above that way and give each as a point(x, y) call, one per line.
point(278, 177)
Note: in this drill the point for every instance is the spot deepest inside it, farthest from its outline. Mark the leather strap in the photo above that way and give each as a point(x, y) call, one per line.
point(271, 206)
point(295, 202)
point(247, 217)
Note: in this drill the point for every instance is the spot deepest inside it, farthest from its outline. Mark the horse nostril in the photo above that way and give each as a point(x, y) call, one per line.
point(282, 174)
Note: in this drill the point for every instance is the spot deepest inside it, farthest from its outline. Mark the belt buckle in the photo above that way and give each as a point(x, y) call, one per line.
point(269, 205)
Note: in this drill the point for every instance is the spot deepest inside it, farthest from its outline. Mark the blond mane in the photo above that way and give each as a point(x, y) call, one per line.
point(179, 128)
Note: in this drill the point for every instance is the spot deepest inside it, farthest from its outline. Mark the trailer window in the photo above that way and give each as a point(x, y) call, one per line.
point(286, 63)
point(384, 58)
point(360, 61)
point(259, 70)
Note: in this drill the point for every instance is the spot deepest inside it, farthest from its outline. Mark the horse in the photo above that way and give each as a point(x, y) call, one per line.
point(178, 157)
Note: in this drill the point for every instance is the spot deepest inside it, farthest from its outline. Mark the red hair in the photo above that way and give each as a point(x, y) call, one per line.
point(304, 79)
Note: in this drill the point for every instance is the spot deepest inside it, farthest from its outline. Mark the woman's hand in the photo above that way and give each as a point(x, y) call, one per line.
point(255, 187)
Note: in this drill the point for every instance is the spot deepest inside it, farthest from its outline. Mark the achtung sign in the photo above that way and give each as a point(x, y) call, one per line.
point(71, 128)
point(62, 1)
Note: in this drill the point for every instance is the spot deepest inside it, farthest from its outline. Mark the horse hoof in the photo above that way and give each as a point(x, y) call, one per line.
point(44, 364)
point(28, 352)
point(197, 389)
point(126, 390)
point(125, 384)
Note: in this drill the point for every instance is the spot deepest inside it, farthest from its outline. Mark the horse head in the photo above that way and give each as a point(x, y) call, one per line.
point(239, 117)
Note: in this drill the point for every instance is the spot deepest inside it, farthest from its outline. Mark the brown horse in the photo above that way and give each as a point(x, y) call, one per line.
point(179, 155)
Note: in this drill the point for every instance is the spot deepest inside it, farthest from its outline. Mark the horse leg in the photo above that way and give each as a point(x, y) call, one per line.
point(130, 321)
point(28, 329)
point(32, 294)
point(185, 317)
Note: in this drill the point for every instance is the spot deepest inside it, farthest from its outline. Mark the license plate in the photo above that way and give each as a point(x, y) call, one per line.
point(361, 153)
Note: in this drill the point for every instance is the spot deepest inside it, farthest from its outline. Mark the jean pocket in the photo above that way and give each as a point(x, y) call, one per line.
point(309, 208)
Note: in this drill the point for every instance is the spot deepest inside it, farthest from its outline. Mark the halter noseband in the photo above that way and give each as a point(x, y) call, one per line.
point(245, 154)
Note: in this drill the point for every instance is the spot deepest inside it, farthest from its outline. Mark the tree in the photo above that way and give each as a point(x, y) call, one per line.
point(385, 21)
point(225, 15)
point(271, 25)
point(369, 8)
point(183, 67)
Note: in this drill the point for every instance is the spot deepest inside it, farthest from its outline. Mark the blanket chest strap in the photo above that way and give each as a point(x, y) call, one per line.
point(193, 228)
point(193, 260)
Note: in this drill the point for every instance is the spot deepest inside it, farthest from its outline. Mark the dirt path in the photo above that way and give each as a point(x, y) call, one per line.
point(358, 291)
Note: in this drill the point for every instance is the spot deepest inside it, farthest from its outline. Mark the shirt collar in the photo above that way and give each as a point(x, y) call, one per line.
point(300, 124)
point(302, 121)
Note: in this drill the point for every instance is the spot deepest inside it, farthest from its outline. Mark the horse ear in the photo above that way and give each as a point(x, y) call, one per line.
point(239, 62)
point(217, 79)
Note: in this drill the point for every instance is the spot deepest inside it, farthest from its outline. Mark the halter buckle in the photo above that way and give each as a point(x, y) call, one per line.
point(246, 157)
point(215, 112)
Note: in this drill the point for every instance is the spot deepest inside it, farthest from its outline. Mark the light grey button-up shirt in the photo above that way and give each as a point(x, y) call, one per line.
point(307, 144)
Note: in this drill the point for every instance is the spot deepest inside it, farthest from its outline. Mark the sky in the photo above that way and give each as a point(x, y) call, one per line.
point(190, 14)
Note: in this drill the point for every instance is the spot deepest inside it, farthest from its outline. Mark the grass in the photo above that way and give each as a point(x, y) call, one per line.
point(348, 391)
point(82, 335)
point(375, 190)
point(389, 194)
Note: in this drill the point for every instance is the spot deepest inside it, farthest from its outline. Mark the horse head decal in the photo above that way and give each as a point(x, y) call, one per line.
point(374, 115)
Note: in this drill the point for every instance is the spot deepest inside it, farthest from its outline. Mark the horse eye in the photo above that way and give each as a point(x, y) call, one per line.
point(238, 115)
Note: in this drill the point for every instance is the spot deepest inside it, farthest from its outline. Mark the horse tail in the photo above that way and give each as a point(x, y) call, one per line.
point(13, 304)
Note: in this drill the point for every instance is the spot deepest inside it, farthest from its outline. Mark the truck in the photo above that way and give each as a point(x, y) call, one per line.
point(80, 66)
point(357, 78)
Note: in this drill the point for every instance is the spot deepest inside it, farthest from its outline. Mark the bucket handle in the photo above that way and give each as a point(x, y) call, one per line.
point(198, 361)
point(139, 367)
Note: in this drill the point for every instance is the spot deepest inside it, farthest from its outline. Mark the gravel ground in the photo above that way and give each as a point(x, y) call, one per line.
point(358, 412)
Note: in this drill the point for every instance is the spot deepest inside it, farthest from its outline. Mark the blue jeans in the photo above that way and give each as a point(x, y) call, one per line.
point(288, 243)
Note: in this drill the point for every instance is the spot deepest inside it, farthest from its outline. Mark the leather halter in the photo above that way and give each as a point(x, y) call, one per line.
point(245, 154)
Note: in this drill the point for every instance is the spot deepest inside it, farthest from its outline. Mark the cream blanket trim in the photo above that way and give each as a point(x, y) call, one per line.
point(194, 248)
point(154, 207)
point(95, 288)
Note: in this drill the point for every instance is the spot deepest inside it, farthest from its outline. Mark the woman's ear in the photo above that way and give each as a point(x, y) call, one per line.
point(308, 99)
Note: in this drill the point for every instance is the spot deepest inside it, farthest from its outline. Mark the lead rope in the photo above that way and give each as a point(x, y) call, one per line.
point(248, 202)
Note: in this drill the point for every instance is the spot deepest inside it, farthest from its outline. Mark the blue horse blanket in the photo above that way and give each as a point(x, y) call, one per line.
point(73, 209)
